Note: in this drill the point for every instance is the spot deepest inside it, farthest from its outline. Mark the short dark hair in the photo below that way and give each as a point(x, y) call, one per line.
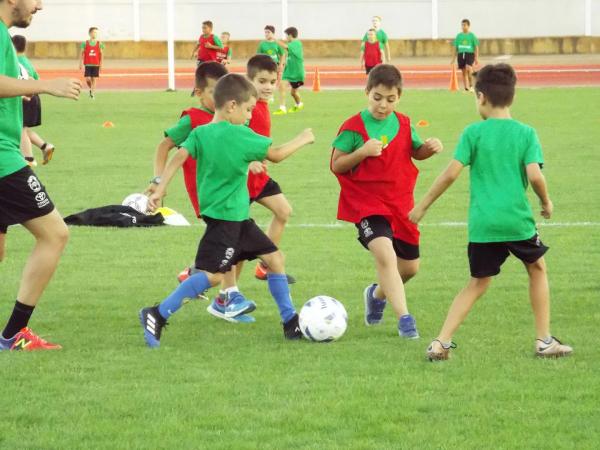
point(19, 42)
point(292, 31)
point(209, 69)
point(208, 23)
point(372, 29)
point(258, 63)
point(271, 28)
point(226, 32)
point(386, 75)
point(233, 86)
point(92, 29)
point(467, 21)
point(497, 82)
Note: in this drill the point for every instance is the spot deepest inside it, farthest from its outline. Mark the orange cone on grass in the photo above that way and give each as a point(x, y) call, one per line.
point(108, 124)
point(316, 81)
point(453, 79)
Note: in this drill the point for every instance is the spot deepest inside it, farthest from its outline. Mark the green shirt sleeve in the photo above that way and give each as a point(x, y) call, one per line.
point(192, 143)
point(217, 41)
point(82, 45)
point(348, 141)
point(416, 139)
point(229, 54)
point(383, 38)
point(101, 45)
point(180, 131)
point(256, 145)
point(362, 46)
point(533, 152)
point(464, 150)
point(365, 37)
point(475, 42)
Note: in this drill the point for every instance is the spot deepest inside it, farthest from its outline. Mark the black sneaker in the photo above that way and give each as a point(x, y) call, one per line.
point(291, 329)
point(153, 324)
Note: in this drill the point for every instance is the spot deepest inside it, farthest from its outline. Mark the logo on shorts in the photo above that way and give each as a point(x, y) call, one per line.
point(367, 231)
point(538, 241)
point(41, 199)
point(228, 255)
point(34, 184)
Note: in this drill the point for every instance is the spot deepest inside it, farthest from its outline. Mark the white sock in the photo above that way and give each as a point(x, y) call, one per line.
point(231, 290)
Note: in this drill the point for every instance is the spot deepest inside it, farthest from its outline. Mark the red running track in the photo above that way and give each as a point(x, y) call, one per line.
point(344, 77)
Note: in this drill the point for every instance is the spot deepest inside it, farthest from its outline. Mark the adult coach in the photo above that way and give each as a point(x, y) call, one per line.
point(23, 198)
point(381, 37)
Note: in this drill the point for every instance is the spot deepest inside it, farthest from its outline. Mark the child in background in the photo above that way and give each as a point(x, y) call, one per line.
point(91, 58)
point(32, 110)
point(371, 53)
point(466, 47)
point(224, 54)
point(208, 44)
point(503, 155)
point(293, 73)
point(372, 160)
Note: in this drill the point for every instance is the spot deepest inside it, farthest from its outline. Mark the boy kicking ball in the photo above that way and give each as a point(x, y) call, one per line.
point(503, 155)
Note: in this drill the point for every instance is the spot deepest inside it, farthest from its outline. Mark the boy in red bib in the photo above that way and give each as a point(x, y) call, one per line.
point(371, 53)
point(208, 44)
point(372, 160)
point(224, 54)
point(91, 58)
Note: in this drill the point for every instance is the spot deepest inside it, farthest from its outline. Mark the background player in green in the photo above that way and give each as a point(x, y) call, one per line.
point(466, 48)
point(32, 110)
point(91, 58)
point(293, 73)
point(381, 37)
point(270, 47)
point(23, 198)
point(503, 155)
point(224, 149)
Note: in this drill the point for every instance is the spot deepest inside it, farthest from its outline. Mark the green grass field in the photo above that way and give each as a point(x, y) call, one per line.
point(215, 385)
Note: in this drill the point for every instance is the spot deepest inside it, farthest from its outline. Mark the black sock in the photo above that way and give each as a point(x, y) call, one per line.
point(19, 319)
point(29, 158)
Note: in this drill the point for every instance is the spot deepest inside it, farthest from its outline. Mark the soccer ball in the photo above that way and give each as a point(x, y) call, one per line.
point(139, 202)
point(323, 319)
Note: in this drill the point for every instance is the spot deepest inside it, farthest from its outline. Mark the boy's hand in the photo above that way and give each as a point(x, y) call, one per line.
point(434, 145)
point(257, 167)
point(154, 200)
point(373, 147)
point(64, 87)
point(416, 214)
point(307, 136)
point(547, 209)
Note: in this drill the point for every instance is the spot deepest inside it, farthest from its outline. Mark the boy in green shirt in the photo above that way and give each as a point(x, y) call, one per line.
point(293, 72)
point(224, 149)
point(503, 155)
point(270, 47)
point(466, 47)
point(32, 110)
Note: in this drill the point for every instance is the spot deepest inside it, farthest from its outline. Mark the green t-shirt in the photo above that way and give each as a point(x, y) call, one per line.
point(294, 66)
point(498, 151)
point(182, 129)
point(223, 151)
point(271, 48)
point(381, 37)
point(11, 110)
point(24, 61)
point(466, 42)
point(386, 129)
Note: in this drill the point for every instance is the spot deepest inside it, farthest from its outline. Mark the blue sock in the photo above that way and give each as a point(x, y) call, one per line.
point(190, 288)
point(280, 290)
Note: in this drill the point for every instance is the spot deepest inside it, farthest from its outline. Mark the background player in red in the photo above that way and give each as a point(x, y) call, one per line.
point(371, 53)
point(224, 54)
point(208, 44)
point(91, 58)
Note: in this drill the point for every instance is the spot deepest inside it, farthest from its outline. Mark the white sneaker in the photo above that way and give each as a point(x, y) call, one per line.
point(555, 349)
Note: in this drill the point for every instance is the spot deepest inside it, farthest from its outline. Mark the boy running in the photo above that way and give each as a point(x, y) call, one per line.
point(372, 160)
point(208, 44)
point(466, 47)
point(91, 58)
point(503, 155)
point(23, 198)
point(293, 73)
point(224, 149)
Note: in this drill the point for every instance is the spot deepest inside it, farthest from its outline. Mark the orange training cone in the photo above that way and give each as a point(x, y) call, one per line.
point(422, 123)
point(108, 124)
point(316, 81)
point(453, 79)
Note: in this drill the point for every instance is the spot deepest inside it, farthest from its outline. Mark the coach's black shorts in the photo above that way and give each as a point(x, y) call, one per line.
point(485, 259)
point(296, 84)
point(271, 188)
point(92, 71)
point(465, 59)
point(373, 227)
point(22, 197)
point(225, 243)
point(32, 112)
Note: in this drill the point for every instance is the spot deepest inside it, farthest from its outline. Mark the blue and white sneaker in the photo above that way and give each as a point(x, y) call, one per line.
point(373, 306)
point(407, 327)
point(232, 307)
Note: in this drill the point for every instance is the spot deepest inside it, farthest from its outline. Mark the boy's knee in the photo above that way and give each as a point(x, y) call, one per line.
point(481, 284)
point(284, 212)
point(538, 266)
point(409, 269)
point(275, 262)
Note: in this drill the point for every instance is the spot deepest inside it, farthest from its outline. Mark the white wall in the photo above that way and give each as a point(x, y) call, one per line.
point(68, 20)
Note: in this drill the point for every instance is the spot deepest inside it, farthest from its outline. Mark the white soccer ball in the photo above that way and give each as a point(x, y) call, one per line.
point(323, 319)
point(139, 202)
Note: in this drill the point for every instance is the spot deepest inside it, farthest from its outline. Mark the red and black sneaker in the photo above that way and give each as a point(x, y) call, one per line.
point(27, 340)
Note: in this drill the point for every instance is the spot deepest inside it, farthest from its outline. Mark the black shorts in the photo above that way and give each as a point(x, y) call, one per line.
point(485, 259)
point(296, 84)
point(32, 112)
point(225, 243)
point(271, 188)
point(92, 71)
point(368, 69)
point(373, 227)
point(465, 59)
point(22, 197)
